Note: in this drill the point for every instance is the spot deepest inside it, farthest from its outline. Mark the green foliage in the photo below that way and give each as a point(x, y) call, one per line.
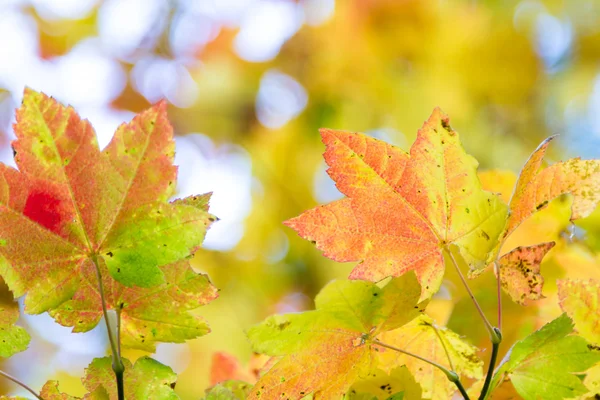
point(13, 339)
point(543, 364)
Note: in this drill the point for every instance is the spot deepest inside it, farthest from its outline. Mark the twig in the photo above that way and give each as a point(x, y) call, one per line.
point(493, 336)
point(498, 293)
point(490, 372)
point(451, 375)
point(117, 364)
point(18, 382)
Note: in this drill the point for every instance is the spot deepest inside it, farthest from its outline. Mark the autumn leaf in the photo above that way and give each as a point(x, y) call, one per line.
point(519, 272)
point(147, 315)
point(543, 365)
point(70, 205)
point(50, 391)
point(324, 351)
point(581, 301)
point(403, 210)
point(438, 344)
point(534, 190)
point(536, 187)
point(380, 386)
point(13, 338)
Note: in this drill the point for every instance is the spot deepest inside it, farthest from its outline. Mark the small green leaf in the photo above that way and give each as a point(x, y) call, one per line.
point(542, 366)
point(13, 339)
point(147, 379)
point(153, 236)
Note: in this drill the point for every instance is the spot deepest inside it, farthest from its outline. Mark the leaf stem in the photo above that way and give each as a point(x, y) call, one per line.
point(117, 364)
point(498, 293)
point(451, 375)
point(18, 382)
point(493, 336)
point(490, 372)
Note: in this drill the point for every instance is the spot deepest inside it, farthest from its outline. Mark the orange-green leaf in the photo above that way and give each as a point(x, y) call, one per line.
point(148, 315)
point(581, 301)
point(326, 350)
point(13, 339)
point(520, 272)
point(50, 391)
point(402, 210)
point(536, 188)
point(69, 204)
point(437, 344)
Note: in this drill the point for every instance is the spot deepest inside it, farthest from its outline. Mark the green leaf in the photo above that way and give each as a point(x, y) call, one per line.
point(13, 339)
point(542, 366)
point(154, 236)
point(326, 350)
point(147, 379)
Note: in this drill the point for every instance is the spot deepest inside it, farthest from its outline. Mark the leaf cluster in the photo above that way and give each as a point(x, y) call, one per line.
point(89, 234)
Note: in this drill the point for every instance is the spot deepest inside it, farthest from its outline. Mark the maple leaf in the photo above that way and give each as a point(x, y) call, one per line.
point(581, 301)
point(70, 205)
point(534, 190)
point(147, 315)
point(335, 339)
point(403, 210)
point(542, 366)
point(536, 187)
point(13, 338)
point(381, 386)
point(519, 272)
point(423, 337)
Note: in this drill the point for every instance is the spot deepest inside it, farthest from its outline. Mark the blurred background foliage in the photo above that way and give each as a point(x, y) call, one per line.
point(249, 82)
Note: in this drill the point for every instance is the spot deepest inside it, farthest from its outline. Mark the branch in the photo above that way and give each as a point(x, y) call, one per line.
point(451, 375)
point(491, 330)
point(18, 382)
point(117, 364)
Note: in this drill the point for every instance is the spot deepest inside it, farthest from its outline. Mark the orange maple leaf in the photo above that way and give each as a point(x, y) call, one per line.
point(403, 211)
